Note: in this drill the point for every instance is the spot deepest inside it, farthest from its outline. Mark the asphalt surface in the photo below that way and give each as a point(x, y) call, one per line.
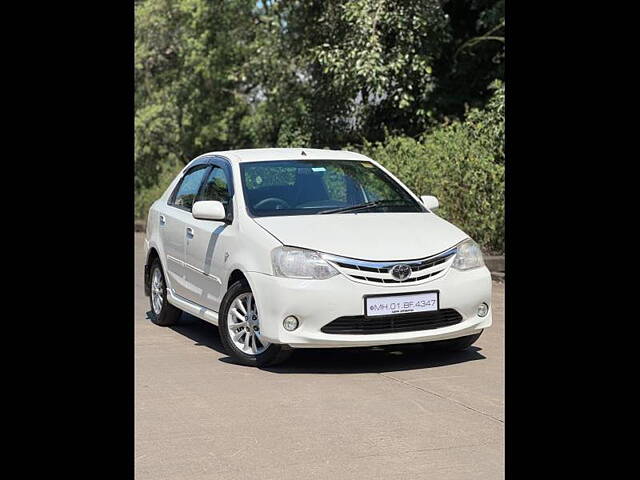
point(397, 412)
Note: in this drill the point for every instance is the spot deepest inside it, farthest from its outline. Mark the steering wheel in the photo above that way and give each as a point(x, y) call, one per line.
point(280, 204)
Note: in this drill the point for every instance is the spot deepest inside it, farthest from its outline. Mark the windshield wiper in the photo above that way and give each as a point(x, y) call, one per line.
point(353, 208)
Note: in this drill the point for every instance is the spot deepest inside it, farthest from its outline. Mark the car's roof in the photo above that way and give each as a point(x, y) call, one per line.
point(265, 154)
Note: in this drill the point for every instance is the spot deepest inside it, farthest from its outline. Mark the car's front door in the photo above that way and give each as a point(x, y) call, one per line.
point(174, 221)
point(206, 243)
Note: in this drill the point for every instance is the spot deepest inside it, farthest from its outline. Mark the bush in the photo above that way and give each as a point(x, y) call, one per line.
point(458, 169)
point(487, 125)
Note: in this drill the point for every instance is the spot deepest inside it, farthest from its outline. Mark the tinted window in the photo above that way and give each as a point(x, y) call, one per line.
point(189, 187)
point(216, 187)
point(303, 187)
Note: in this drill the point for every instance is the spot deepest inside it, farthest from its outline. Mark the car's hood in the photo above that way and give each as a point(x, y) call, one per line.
point(367, 236)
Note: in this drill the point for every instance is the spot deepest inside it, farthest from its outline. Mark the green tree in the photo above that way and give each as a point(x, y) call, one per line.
point(472, 59)
point(189, 96)
point(359, 68)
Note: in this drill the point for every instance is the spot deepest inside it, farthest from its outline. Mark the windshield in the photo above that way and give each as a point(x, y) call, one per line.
point(308, 187)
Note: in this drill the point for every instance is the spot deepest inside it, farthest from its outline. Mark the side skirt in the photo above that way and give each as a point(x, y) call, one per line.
point(192, 308)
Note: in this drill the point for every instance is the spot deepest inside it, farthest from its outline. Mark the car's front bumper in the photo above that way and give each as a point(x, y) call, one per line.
point(318, 302)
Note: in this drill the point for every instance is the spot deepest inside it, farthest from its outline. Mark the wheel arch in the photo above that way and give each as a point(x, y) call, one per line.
point(237, 273)
point(152, 254)
point(235, 276)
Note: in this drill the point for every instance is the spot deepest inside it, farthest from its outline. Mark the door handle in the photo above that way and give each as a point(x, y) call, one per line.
point(189, 232)
point(162, 220)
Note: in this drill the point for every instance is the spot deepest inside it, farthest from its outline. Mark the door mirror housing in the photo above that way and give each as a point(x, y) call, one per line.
point(430, 201)
point(208, 210)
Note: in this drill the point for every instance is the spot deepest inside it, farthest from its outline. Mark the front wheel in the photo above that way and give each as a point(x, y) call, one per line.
point(239, 324)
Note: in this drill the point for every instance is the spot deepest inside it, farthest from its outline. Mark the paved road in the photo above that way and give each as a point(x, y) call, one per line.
point(340, 414)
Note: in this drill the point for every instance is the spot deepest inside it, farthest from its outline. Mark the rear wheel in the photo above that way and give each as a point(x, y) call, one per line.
point(453, 344)
point(162, 312)
point(239, 324)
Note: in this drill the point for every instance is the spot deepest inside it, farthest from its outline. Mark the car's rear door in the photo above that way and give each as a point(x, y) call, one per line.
point(205, 255)
point(175, 222)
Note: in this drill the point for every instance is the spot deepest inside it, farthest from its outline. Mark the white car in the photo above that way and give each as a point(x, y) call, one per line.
point(306, 248)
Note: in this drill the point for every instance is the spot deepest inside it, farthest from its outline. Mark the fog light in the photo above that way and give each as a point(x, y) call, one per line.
point(483, 309)
point(290, 323)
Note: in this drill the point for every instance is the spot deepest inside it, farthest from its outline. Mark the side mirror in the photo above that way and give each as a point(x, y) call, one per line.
point(208, 210)
point(430, 201)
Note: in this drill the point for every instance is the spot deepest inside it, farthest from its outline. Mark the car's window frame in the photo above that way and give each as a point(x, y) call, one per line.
point(226, 168)
point(225, 165)
point(396, 185)
point(206, 163)
point(199, 166)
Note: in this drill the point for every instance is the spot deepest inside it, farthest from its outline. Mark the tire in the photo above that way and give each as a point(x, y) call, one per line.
point(454, 344)
point(246, 348)
point(166, 315)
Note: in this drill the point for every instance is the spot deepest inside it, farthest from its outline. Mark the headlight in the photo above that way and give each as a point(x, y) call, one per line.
point(468, 255)
point(300, 263)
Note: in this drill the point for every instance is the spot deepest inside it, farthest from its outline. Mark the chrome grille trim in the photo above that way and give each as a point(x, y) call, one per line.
point(379, 272)
point(393, 280)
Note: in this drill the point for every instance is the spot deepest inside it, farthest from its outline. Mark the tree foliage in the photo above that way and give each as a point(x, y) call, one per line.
point(189, 96)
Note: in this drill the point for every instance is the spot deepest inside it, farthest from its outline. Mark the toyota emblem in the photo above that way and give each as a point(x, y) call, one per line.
point(401, 271)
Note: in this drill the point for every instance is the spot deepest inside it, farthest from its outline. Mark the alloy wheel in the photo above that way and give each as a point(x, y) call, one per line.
point(157, 291)
point(243, 324)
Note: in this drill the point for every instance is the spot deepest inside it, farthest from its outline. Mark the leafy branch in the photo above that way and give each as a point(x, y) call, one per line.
point(476, 40)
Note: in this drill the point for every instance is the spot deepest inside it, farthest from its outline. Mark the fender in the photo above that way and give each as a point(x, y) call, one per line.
point(151, 243)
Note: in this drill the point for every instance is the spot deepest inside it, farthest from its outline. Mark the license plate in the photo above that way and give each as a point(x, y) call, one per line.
point(400, 304)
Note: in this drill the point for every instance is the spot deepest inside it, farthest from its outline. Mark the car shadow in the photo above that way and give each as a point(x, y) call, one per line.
point(388, 358)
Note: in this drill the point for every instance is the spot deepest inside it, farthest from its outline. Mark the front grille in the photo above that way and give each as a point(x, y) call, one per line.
point(380, 272)
point(409, 322)
point(391, 280)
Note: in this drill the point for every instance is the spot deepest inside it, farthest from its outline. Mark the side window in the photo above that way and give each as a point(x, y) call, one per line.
point(216, 187)
point(188, 188)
